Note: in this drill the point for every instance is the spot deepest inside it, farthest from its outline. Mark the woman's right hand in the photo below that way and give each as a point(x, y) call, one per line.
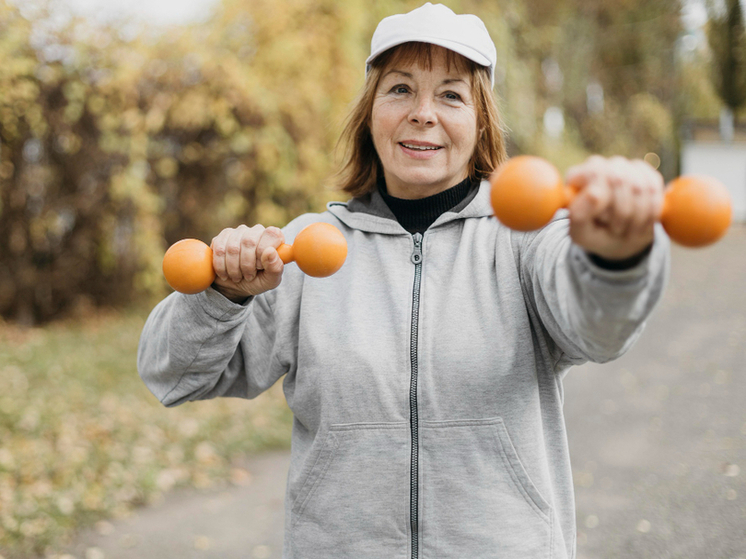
point(246, 262)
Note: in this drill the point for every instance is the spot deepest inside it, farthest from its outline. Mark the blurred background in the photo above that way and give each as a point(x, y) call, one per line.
point(125, 127)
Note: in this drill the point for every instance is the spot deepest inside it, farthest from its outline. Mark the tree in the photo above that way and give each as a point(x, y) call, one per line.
point(727, 38)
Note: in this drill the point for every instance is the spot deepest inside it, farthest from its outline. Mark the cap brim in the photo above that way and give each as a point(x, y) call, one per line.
point(456, 47)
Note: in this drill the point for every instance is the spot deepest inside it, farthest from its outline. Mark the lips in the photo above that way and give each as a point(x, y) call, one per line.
point(420, 147)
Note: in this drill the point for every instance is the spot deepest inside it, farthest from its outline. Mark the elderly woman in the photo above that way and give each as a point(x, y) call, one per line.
point(425, 377)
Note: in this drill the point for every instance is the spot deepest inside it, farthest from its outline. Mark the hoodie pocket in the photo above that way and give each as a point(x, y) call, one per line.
point(477, 499)
point(353, 499)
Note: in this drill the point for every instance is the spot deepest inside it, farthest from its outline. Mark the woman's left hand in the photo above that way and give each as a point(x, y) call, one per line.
point(617, 206)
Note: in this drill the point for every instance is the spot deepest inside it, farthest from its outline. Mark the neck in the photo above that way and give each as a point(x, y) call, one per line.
point(416, 215)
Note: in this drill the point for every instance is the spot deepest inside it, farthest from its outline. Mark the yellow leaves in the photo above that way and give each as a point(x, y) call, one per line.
point(19, 104)
point(234, 208)
point(198, 122)
point(155, 119)
point(190, 112)
point(241, 143)
point(651, 122)
point(94, 449)
point(131, 185)
point(74, 91)
point(226, 125)
point(72, 113)
point(100, 442)
point(169, 478)
point(205, 454)
point(112, 143)
point(96, 104)
point(68, 143)
point(7, 462)
point(167, 167)
point(192, 153)
point(109, 122)
point(18, 66)
point(269, 213)
point(23, 90)
point(36, 121)
point(132, 120)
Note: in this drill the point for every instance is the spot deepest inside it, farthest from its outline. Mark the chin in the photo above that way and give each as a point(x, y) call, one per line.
point(424, 181)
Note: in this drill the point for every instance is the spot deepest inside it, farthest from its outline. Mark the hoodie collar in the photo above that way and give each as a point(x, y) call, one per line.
point(369, 213)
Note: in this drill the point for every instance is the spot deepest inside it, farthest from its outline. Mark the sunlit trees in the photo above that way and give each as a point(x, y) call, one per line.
point(114, 148)
point(727, 38)
point(114, 145)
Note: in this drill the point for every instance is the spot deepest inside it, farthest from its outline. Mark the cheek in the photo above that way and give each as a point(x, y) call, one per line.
point(384, 120)
point(468, 135)
point(376, 127)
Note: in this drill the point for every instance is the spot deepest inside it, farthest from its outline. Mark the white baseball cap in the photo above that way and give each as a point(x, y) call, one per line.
point(436, 24)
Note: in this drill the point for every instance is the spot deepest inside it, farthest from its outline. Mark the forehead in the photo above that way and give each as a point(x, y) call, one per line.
point(426, 57)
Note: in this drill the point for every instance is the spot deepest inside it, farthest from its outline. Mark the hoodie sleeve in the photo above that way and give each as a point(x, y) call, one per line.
point(589, 312)
point(195, 347)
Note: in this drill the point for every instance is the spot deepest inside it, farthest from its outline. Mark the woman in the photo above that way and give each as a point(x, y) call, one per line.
point(425, 377)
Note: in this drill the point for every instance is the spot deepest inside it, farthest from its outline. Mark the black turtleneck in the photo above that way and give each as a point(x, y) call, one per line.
point(417, 215)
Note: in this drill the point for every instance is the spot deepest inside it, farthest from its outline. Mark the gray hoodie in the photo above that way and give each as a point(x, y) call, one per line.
point(425, 379)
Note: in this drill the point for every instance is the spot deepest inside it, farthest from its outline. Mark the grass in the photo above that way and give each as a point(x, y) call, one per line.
point(82, 439)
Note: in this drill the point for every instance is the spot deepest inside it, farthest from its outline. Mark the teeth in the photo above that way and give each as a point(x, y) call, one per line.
point(420, 148)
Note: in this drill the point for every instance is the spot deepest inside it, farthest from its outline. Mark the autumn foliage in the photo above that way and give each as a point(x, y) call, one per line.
point(113, 149)
point(115, 145)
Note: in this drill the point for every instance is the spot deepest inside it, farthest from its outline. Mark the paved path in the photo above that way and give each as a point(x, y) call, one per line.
point(657, 438)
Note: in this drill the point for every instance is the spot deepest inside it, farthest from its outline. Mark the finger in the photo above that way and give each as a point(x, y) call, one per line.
point(615, 175)
point(233, 253)
point(585, 227)
point(218, 253)
point(644, 197)
point(595, 201)
point(248, 264)
point(642, 217)
point(272, 237)
point(623, 206)
point(273, 268)
point(580, 175)
point(658, 185)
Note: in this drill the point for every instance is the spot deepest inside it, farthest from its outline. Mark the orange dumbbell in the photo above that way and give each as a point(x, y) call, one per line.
point(527, 191)
point(319, 249)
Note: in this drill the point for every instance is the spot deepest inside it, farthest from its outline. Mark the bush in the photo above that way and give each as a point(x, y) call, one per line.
point(111, 150)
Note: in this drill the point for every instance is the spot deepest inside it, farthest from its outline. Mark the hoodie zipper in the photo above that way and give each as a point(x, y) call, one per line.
point(413, 416)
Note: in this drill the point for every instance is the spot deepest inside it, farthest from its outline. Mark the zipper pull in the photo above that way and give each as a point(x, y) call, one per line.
point(417, 253)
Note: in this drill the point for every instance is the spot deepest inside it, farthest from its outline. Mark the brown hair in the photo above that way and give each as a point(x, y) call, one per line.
point(361, 166)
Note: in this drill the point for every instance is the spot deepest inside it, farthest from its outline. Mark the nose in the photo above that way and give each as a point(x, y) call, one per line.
point(423, 112)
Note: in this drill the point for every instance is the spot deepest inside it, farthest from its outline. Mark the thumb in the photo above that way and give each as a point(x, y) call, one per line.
point(273, 267)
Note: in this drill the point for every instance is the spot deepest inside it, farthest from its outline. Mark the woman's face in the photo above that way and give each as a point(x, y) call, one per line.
point(424, 127)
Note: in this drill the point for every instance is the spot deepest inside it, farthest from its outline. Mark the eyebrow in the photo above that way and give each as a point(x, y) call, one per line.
point(405, 74)
point(410, 76)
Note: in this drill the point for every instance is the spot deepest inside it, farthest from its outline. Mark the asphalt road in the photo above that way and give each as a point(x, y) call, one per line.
point(657, 440)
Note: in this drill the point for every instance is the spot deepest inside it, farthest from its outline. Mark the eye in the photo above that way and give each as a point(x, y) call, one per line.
point(400, 89)
point(452, 96)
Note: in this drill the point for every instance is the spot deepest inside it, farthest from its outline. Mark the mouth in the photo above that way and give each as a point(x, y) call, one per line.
point(420, 146)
